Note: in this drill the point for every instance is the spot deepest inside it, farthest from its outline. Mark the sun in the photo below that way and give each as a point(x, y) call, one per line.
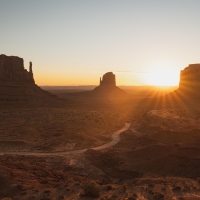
point(163, 76)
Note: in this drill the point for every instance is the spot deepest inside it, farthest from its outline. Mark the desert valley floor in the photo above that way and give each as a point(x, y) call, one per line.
point(158, 157)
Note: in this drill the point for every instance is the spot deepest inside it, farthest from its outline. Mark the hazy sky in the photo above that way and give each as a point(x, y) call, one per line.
point(74, 42)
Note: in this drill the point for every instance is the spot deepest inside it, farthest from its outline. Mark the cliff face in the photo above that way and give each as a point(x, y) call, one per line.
point(12, 70)
point(17, 84)
point(108, 79)
point(190, 78)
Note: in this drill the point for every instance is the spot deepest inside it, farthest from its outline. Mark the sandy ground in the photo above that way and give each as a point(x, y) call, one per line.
point(157, 158)
point(115, 138)
point(61, 128)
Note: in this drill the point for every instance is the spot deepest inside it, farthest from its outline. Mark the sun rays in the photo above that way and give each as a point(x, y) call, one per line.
point(163, 74)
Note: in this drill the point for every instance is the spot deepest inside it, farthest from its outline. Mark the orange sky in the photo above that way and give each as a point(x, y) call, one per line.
point(76, 42)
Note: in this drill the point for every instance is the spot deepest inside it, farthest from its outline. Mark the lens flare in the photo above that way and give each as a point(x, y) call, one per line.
point(163, 76)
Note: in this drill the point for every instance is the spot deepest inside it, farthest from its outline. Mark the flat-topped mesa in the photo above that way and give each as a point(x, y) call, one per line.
point(108, 79)
point(190, 78)
point(108, 88)
point(12, 70)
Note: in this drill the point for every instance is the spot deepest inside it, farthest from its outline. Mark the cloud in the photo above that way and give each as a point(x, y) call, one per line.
point(141, 72)
point(124, 72)
point(132, 72)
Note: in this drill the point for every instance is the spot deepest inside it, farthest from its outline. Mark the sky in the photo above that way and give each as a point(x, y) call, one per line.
point(74, 42)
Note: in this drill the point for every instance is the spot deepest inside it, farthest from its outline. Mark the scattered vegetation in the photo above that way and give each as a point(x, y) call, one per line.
point(91, 189)
point(124, 187)
point(158, 195)
point(177, 187)
point(109, 187)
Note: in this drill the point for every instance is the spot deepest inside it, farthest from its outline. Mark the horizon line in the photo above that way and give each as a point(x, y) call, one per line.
point(98, 85)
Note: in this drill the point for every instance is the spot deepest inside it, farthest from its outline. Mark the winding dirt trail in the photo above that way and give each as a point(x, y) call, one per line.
point(115, 139)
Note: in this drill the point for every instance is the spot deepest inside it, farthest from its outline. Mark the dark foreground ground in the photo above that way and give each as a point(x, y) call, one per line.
point(157, 158)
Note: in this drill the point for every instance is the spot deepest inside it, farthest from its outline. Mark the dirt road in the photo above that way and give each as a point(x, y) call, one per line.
point(115, 139)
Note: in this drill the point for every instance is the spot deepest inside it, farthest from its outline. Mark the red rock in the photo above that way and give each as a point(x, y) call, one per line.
point(18, 85)
point(108, 79)
point(12, 70)
point(107, 87)
point(190, 78)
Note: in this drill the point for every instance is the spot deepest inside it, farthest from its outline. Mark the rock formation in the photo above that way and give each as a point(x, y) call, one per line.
point(108, 79)
point(107, 87)
point(12, 70)
point(190, 78)
point(18, 85)
point(188, 93)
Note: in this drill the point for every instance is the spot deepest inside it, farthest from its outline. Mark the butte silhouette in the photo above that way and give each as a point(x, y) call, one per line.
point(187, 95)
point(17, 84)
point(190, 79)
point(107, 86)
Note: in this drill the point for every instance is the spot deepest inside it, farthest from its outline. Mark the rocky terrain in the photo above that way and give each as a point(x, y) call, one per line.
point(157, 158)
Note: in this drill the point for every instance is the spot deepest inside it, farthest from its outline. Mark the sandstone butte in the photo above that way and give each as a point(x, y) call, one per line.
point(12, 70)
point(190, 79)
point(108, 80)
point(17, 84)
point(107, 86)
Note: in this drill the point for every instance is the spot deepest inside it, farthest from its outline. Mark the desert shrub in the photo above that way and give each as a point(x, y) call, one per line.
point(186, 188)
point(151, 192)
point(47, 191)
point(109, 187)
point(198, 180)
point(177, 187)
point(158, 195)
point(133, 197)
point(124, 186)
point(91, 189)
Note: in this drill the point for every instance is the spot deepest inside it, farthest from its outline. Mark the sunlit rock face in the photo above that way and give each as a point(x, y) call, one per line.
point(12, 70)
point(190, 78)
point(108, 79)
